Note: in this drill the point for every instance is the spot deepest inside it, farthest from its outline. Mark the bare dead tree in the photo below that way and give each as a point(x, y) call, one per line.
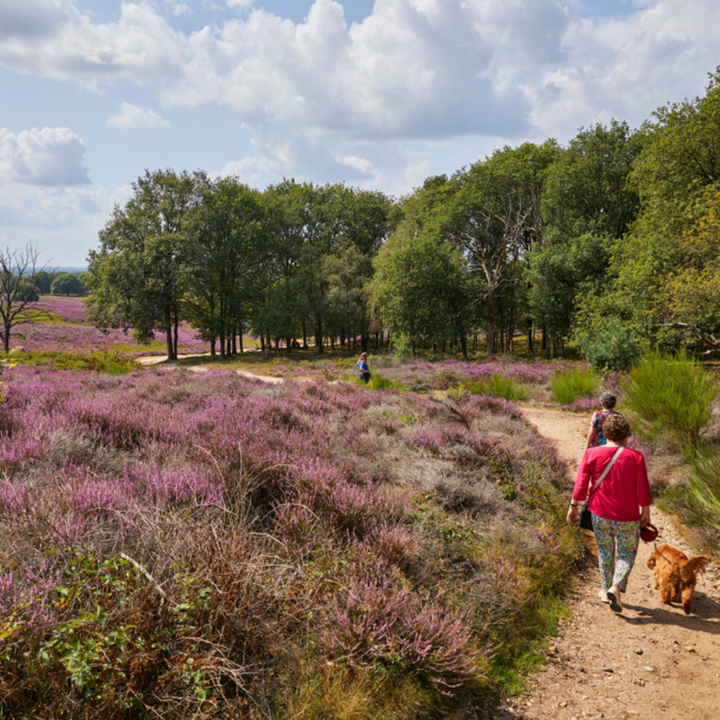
point(492, 241)
point(18, 288)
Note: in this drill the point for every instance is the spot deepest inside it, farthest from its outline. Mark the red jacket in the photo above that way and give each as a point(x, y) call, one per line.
point(623, 491)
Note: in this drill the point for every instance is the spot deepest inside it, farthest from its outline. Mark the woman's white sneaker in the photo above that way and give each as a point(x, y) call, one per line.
point(614, 597)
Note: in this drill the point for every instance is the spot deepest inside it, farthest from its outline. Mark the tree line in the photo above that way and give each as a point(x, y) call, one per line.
point(610, 242)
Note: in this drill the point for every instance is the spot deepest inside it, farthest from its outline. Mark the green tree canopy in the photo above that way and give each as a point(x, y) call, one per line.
point(138, 278)
point(67, 284)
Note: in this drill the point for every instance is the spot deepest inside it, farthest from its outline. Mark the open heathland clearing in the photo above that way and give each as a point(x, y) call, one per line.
point(212, 544)
point(209, 545)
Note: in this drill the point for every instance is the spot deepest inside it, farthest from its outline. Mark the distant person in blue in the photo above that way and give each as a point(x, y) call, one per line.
point(595, 434)
point(363, 368)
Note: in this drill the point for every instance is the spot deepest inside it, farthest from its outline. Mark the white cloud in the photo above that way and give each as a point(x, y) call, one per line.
point(627, 67)
point(178, 7)
point(412, 69)
point(62, 222)
point(361, 165)
point(336, 101)
point(140, 45)
point(31, 19)
point(51, 156)
point(133, 117)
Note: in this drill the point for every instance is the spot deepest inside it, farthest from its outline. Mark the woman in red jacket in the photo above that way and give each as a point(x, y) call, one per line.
point(620, 505)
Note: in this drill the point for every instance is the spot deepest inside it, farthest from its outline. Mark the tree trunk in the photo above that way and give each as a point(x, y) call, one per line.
point(169, 341)
point(463, 346)
point(490, 326)
point(319, 338)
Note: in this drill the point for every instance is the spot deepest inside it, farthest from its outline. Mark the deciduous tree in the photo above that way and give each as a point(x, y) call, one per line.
point(18, 288)
point(139, 276)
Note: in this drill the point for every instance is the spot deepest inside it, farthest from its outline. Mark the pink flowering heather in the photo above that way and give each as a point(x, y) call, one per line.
point(70, 309)
point(81, 337)
point(376, 621)
point(247, 509)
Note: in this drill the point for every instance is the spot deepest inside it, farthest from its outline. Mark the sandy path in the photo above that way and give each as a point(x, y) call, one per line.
point(651, 661)
point(149, 360)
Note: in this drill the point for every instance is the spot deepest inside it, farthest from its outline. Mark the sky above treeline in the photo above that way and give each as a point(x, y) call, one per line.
point(379, 94)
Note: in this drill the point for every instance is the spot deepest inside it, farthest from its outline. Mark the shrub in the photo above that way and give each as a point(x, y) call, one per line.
point(498, 386)
point(375, 622)
point(575, 383)
point(377, 382)
point(614, 348)
point(704, 485)
point(670, 397)
point(402, 347)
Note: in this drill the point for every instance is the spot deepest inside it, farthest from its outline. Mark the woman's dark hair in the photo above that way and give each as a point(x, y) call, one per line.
point(616, 427)
point(608, 400)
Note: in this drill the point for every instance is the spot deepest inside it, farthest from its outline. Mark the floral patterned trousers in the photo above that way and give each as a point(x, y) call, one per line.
point(617, 544)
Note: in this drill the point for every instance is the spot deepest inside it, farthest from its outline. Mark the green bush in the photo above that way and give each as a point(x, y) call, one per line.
point(498, 386)
point(697, 500)
point(402, 347)
point(670, 398)
point(568, 386)
point(704, 483)
point(377, 382)
point(614, 348)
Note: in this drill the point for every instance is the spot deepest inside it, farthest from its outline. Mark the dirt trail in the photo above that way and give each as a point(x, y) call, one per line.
point(651, 661)
point(149, 360)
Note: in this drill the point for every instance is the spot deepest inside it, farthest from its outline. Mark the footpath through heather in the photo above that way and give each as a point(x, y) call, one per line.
point(650, 662)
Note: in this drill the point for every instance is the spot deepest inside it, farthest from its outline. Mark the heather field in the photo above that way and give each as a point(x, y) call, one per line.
point(63, 327)
point(203, 545)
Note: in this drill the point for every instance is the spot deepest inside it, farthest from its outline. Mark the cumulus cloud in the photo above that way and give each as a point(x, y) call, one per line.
point(63, 223)
point(51, 157)
point(140, 45)
point(318, 94)
point(132, 117)
point(625, 67)
point(414, 68)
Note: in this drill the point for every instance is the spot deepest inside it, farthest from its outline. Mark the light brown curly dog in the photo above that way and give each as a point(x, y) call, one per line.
point(676, 575)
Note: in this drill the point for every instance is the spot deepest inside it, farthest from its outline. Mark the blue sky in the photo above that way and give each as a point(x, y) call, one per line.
point(379, 94)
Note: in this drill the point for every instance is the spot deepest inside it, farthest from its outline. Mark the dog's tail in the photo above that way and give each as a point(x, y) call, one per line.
point(694, 566)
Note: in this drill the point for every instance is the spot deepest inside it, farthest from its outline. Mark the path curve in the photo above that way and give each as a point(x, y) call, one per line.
point(651, 661)
point(152, 360)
